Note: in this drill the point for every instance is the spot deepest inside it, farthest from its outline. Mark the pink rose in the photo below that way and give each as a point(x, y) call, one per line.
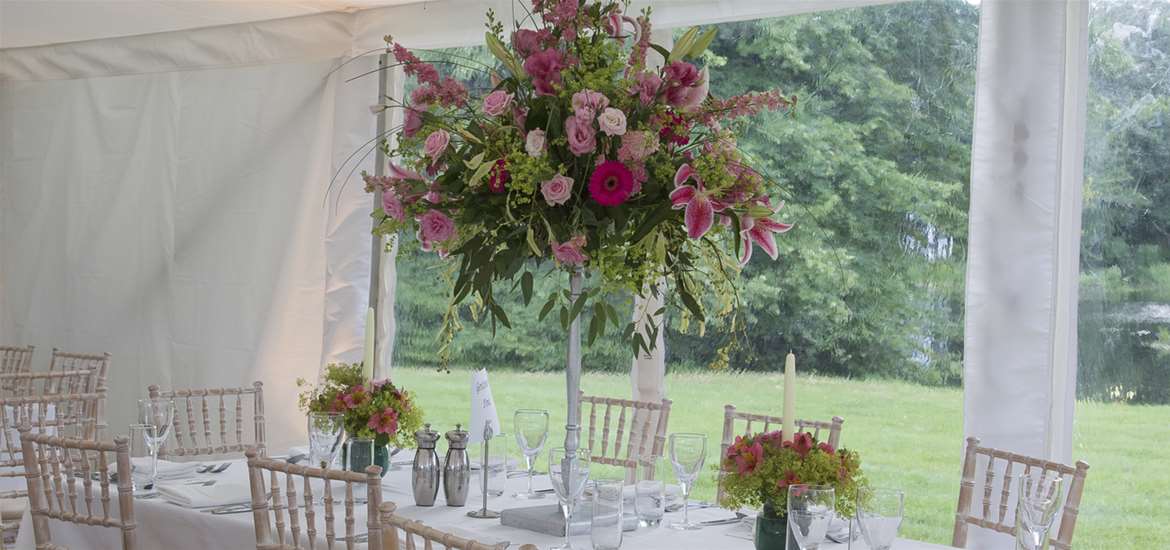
point(557, 190)
point(436, 143)
point(496, 103)
point(435, 226)
point(392, 205)
point(581, 135)
point(545, 68)
point(569, 252)
point(637, 146)
point(612, 122)
point(534, 143)
point(587, 103)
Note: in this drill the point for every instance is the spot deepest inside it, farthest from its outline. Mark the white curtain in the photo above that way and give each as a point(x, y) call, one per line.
point(1022, 267)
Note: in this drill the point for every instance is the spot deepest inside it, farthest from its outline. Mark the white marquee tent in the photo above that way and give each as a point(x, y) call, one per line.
point(164, 164)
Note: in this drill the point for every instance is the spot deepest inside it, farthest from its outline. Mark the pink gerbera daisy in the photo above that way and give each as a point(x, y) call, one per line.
point(611, 183)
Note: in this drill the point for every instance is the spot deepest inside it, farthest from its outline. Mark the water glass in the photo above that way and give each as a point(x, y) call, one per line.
point(650, 493)
point(497, 466)
point(159, 413)
point(143, 460)
point(325, 432)
point(1038, 500)
point(688, 451)
point(810, 509)
point(605, 527)
point(569, 473)
point(531, 432)
point(879, 516)
point(359, 454)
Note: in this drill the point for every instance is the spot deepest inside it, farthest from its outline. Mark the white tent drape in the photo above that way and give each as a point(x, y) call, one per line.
point(1022, 267)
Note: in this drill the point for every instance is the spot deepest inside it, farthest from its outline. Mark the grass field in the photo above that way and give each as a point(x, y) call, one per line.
point(909, 436)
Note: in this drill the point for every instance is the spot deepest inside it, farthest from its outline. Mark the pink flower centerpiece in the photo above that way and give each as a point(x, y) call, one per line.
point(582, 156)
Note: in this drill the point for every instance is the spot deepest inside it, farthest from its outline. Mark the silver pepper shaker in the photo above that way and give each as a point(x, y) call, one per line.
point(425, 473)
point(457, 471)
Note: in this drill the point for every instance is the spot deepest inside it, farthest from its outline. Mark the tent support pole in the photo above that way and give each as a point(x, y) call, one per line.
point(376, 245)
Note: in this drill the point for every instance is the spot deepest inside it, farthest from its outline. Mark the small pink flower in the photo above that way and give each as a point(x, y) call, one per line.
point(497, 103)
point(612, 122)
point(392, 205)
point(534, 143)
point(827, 449)
point(760, 232)
point(587, 103)
point(436, 227)
point(384, 422)
point(581, 135)
point(570, 252)
point(402, 173)
point(700, 205)
point(499, 176)
point(557, 190)
point(802, 443)
point(436, 143)
point(545, 68)
point(611, 183)
point(646, 87)
point(637, 146)
point(790, 478)
point(749, 459)
point(527, 42)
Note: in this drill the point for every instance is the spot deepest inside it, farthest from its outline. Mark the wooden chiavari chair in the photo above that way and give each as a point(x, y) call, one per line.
point(62, 472)
point(412, 530)
point(995, 516)
point(14, 360)
point(815, 427)
point(198, 410)
point(275, 533)
point(641, 428)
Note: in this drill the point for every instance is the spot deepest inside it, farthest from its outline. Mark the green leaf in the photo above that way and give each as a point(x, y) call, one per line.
point(475, 161)
point(531, 238)
point(703, 42)
point(501, 52)
point(661, 51)
point(564, 318)
point(613, 316)
point(480, 173)
point(688, 299)
point(735, 229)
point(596, 324)
point(578, 306)
point(548, 305)
point(526, 287)
point(498, 313)
point(682, 46)
point(652, 220)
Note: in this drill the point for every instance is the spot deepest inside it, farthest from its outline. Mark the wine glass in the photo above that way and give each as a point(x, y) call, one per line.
point(325, 431)
point(531, 432)
point(1038, 499)
point(688, 451)
point(569, 473)
point(159, 413)
point(810, 509)
point(879, 515)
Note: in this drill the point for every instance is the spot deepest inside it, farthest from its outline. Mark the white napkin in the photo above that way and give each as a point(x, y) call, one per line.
point(222, 493)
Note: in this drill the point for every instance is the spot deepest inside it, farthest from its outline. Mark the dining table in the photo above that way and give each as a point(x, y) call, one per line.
point(164, 525)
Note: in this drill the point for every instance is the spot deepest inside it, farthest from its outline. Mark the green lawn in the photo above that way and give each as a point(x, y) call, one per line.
point(909, 437)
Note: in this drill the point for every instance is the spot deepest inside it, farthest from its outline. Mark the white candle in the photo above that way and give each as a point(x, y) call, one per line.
point(368, 359)
point(789, 397)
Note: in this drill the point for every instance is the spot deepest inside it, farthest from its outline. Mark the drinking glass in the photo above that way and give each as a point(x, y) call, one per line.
point(810, 509)
point(1038, 500)
point(879, 515)
point(531, 432)
point(497, 466)
point(569, 473)
point(605, 527)
point(159, 413)
point(650, 494)
point(143, 460)
point(687, 453)
point(325, 431)
point(359, 454)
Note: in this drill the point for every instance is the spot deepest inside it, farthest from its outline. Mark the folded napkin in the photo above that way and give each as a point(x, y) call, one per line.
point(167, 470)
point(222, 493)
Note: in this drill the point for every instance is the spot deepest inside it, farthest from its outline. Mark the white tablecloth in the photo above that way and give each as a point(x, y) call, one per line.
point(162, 525)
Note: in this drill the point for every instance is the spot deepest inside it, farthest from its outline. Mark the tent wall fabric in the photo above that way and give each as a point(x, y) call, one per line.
point(1022, 265)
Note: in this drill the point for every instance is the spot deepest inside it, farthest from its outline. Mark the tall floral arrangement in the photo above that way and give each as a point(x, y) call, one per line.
point(758, 469)
point(376, 410)
point(585, 153)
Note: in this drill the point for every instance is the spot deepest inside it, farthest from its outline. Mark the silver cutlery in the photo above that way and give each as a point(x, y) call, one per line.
point(230, 509)
point(725, 521)
point(676, 507)
point(203, 482)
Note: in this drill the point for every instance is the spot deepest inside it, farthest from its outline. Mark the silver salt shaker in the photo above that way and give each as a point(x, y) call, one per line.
point(425, 473)
point(457, 472)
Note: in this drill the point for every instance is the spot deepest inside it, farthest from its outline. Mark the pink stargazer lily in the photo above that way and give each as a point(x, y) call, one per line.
point(403, 173)
point(700, 206)
point(759, 231)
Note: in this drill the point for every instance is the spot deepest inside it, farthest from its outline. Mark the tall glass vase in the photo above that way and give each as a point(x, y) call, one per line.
point(573, 368)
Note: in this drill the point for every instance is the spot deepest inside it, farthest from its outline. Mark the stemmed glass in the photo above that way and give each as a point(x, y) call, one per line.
point(159, 413)
point(688, 451)
point(810, 509)
point(531, 432)
point(1038, 500)
point(325, 431)
point(879, 515)
point(569, 474)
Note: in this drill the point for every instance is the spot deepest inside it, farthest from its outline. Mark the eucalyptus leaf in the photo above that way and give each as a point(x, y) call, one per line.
point(526, 287)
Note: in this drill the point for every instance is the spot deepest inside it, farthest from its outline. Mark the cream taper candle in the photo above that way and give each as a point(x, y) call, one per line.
point(789, 397)
point(368, 359)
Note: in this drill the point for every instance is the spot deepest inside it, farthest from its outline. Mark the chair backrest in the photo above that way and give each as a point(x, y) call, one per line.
point(98, 364)
point(14, 360)
point(730, 415)
point(638, 435)
point(197, 410)
point(271, 532)
point(63, 414)
point(56, 466)
point(994, 515)
point(413, 531)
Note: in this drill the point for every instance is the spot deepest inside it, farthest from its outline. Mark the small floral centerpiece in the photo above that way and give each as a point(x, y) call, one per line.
point(758, 469)
point(586, 154)
point(376, 410)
